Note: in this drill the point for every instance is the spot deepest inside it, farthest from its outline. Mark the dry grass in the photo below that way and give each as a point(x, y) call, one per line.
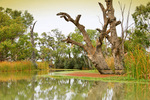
point(43, 65)
point(15, 66)
point(21, 66)
point(110, 62)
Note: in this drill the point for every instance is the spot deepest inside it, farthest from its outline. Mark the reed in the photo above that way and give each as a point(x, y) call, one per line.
point(43, 65)
point(15, 66)
point(21, 66)
point(137, 64)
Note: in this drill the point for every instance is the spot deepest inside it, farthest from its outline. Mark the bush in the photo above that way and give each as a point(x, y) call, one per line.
point(59, 63)
point(69, 63)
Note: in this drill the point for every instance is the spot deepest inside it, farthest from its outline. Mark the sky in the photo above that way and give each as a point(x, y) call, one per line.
point(44, 12)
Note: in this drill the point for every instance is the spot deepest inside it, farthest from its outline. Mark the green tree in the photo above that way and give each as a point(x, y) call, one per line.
point(141, 17)
point(140, 35)
point(79, 58)
point(13, 24)
point(52, 49)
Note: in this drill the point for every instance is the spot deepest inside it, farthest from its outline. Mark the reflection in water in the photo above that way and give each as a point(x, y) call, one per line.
point(71, 89)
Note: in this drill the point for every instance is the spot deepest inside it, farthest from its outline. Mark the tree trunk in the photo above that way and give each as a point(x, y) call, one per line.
point(95, 53)
point(33, 47)
point(1, 56)
point(116, 43)
point(100, 64)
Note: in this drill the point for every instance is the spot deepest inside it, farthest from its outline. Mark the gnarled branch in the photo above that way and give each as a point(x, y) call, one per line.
point(32, 27)
point(68, 40)
point(86, 38)
point(103, 10)
point(103, 31)
point(66, 16)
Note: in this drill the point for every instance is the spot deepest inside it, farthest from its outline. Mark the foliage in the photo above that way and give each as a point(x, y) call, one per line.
point(140, 35)
point(137, 64)
point(13, 24)
point(70, 63)
point(51, 46)
point(141, 17)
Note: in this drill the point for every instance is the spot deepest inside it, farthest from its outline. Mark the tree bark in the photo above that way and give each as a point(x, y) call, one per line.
point(116, 43)
point(95, 53)
point(33, 46)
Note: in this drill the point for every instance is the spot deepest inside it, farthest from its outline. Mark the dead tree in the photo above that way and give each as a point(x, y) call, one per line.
point(33, 46)
point(95, 53)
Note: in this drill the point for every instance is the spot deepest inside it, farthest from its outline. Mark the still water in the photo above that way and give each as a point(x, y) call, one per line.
point(27, 86)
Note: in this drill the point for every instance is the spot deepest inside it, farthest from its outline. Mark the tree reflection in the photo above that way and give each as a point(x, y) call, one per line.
point(45, 88)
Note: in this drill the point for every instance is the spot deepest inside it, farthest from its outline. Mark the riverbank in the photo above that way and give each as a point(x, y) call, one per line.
point(94, 75)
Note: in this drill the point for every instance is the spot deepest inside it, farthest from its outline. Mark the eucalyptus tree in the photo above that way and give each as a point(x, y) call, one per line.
point(141, 34)
point(13, 24)
point(77, 51)
point(46, 45)
point(22, 48)
point(51, 47)
point(95, 53)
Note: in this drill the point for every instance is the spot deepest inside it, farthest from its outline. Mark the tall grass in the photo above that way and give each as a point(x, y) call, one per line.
point(15, 66)
point(110, 63)
point(43, 65)
point(137, 64)
point(21, 66)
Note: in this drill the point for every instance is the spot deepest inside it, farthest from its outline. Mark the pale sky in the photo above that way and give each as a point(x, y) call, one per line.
point(44, 12)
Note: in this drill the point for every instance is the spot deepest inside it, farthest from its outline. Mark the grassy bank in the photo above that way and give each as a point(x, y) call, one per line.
point(122, 78)
point(21, 66)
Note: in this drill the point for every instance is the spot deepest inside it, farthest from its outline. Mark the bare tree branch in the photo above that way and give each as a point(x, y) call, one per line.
point(103, 32)
point(128, 20)
point(66, 16)
point(125, 31)
point(86, 38)
point(77, 19)
point(122, 8)
point(32, 27)
point(100, 21)
point(118, 22)
point(99, 30)
point(33, 46)
point(68, 40)
point(103, 10)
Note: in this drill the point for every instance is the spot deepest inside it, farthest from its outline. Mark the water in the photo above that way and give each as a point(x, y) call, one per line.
point(26, 86)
